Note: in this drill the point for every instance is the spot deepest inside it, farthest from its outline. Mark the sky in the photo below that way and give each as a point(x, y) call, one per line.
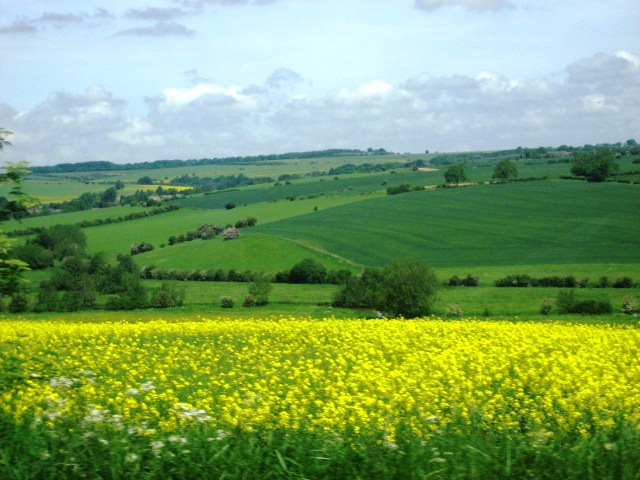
point(143, 80)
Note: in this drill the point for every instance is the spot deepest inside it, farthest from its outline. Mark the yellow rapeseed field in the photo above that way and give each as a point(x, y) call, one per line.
point(329, 375)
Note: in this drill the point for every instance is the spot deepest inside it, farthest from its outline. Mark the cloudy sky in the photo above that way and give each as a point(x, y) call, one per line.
point(138, 80)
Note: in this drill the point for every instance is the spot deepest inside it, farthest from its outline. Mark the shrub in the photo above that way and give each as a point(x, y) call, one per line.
point(249, 301)
point(230, 205)
point(629, 305)
point(471, 281)
point(593, 307)
point(226, 302)
point(141, 247)
point(19, 303)
point(403, 288)
point(546, 306)
point(623, 282)
point(514, 281)
point(453, 311)
point(230, 233)
point(567, 302)
point(308, 271)
point(259, 290)
point(168, 295)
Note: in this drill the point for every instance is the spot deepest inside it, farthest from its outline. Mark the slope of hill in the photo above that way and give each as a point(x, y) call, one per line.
point(550, 222)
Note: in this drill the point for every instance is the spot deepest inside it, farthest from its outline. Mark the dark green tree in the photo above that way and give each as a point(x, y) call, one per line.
point(146, 180)
point(11, 268)
point(307, 271)
point(403, 288)
point(456, 174)
point(260, 288)
point(595, 166)
point(505, 170)
point(62, 240)
point(409, 288)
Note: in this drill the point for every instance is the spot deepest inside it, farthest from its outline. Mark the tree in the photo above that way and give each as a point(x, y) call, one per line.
point(109, 197)
point(456, 174)
point(505, 170)
point(260, 289)
point(146, 180)
point(62, 240)
point(409, 288)
point(11, 268)
point(307, 271)
point(595, 166)
point(403, 288)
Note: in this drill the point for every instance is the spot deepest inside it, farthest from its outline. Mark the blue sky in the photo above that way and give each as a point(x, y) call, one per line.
point(140, 80)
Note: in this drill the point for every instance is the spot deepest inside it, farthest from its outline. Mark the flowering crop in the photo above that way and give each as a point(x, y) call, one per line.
point(363, 376)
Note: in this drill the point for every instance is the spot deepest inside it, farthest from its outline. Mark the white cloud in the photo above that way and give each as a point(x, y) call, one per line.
point(160, 29)
point(477, 5)
point(139, 133)
point(598, 102)
point(176, 98)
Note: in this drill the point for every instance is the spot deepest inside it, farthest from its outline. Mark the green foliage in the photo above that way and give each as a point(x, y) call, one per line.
point(226, 301)
point(308, 270)
point(170, 294)
point(11, 268)
point(403, 288)
point(62, 240)
point(36, 256)
point(567, 302)
point(260, 289)
point(595, 166)
point(146, 180)
point(469, 281)
point(505, 170)
point(19, 302)
point(456, 174)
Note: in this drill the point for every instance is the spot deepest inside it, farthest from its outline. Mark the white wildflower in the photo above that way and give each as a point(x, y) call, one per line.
point(156, 447)
point(131, 458)
point(177, 439)
point(147, 386)
point(63, 382)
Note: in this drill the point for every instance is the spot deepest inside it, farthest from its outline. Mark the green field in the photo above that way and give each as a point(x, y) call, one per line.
point(539, 228)
point(548, 222)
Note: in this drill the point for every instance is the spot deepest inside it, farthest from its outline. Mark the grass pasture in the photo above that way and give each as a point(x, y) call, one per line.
point(54, 190)
point(319, 399)
point(251, 252)
point(548, 222)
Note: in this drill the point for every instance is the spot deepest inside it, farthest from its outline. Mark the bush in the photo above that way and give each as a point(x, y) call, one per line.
point(168, 295)
point(226, 302)
point(623, 282)
point(259, 290)
point(546, 307)
point(249, 301)
point(307, 271)
point(471, 281)
point(403, 288)
point(141, 247)
point(453, 311)
point(629, 305)
point(592, 307)
point(514, 281)
point(567, 302)
point(19, 303)
point(230, 233)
